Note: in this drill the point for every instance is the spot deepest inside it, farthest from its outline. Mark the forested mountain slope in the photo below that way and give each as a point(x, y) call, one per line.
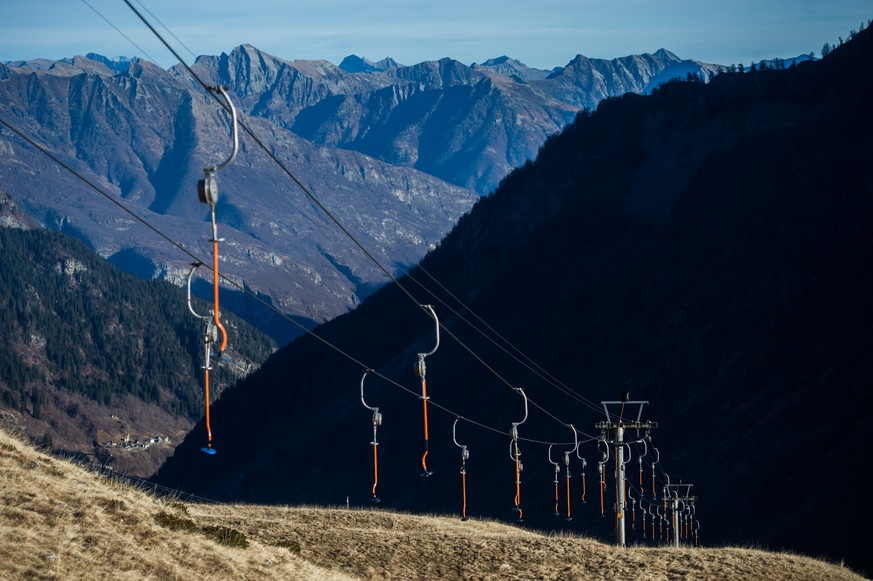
point(91, 355)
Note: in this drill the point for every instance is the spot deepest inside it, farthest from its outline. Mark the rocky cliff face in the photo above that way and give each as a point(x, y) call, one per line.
point(143, 136)
point(396, 152)
point(468, 125)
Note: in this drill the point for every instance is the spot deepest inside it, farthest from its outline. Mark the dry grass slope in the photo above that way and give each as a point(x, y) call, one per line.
point(59, 521)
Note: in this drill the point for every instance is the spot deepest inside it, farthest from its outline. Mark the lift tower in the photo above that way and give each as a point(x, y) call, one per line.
point(616, 425)
point(677, 493)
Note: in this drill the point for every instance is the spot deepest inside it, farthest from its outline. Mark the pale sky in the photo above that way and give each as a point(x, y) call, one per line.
point(540, 33)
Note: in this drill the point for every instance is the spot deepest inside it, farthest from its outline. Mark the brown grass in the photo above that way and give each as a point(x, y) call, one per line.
point(58, 521)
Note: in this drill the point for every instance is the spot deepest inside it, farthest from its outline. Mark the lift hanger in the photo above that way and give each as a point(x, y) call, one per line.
point(557, 471)
point(210, 336)
point(515, 454)
point(567, 467)
point(421, 371)
point(465, 455)
point(207, 192)
point(377, 421)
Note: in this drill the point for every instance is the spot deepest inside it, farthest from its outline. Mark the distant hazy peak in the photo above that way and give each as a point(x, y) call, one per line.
point(665, 54)
point(510, 67)
point(499, 61)
point(117, 64)
point(355, 64)
point(90, 63)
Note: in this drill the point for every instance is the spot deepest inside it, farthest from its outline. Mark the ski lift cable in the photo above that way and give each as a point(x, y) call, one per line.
point(315, 200)
point(119, 31)
point(303, 188)
point(196, 259)
point(164, 26)
point(530, 364)
point(330, 215)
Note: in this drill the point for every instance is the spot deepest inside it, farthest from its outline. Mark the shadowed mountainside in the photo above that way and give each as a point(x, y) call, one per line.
point(705, 248)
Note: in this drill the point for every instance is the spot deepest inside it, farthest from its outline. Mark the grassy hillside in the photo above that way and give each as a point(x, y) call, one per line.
point(61, 521)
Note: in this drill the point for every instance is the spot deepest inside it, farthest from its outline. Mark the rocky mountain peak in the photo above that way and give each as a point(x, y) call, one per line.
point(118, 64)
point(665, 54)
point(512, 68)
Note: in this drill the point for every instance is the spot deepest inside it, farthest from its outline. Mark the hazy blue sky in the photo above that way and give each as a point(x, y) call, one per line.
point(540, 33)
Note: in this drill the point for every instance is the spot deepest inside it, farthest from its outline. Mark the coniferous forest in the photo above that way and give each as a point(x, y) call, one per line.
point(75, 329)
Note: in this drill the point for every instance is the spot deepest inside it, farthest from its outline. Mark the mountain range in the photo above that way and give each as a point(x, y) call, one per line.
point(468, 125)
point(704, 248)
point(397, 153)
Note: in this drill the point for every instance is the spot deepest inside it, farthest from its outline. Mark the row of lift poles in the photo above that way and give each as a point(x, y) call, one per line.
point(674, 493)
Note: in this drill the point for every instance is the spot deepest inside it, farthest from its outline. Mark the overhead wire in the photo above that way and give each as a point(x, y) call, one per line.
point(238, 286)
point(119, 31)
point(315, 200)
point(530, 364)
point(177, 245)
point(170, 32)
point(330, 215)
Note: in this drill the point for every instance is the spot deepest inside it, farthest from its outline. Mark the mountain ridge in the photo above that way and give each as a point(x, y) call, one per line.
point(387, 113)
point(380, 149)
point(144, 136)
